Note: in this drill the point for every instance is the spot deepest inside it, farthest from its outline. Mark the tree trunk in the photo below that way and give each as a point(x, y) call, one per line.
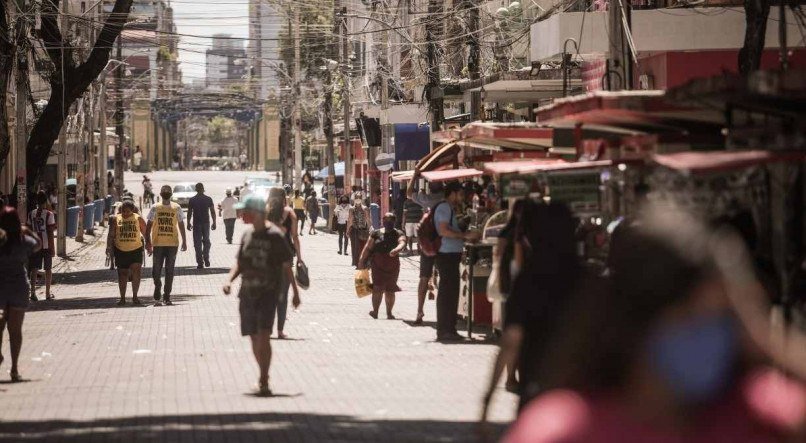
point(67, 88)
point(7, 51)
point(756, 14)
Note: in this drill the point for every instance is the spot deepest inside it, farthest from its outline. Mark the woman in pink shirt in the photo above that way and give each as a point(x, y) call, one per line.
point(667, 352)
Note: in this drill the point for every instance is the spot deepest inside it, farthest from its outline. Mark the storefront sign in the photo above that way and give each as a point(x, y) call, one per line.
point(514, 186)
point(580, 190)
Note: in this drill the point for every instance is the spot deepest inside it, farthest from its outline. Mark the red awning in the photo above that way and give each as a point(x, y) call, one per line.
point(443, 156)
point(516, 167)
point(516, 136)
point(715, 161)
point(451, 174)
point(402, 176)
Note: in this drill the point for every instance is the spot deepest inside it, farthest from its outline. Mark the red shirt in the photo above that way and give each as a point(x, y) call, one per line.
point(766, 407)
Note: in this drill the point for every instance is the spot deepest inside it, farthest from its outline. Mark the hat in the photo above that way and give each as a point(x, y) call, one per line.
point(228, 191)
point(252, 202)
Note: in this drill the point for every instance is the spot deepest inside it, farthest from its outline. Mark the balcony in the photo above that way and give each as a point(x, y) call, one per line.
point(655, 30)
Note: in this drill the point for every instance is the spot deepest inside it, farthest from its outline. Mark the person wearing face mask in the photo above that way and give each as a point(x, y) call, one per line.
point(163, 229)
point(659, 354)
point(358, 226)
point(383, 252)
point(342, 214)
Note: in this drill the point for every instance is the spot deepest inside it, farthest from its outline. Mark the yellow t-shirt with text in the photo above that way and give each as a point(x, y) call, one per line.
point(127, 233)
point(165, 224)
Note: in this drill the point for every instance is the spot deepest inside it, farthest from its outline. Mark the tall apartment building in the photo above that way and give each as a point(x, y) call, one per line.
point(226, 63)
point(266, 20)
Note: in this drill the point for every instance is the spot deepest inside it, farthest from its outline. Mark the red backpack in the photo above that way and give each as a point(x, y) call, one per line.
point(428, 238)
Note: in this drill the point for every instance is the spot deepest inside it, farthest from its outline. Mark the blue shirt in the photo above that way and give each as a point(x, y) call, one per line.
point(200, 204)
point(444, 213)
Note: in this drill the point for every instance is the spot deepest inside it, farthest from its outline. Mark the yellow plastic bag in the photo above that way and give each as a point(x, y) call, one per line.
point(363, 286)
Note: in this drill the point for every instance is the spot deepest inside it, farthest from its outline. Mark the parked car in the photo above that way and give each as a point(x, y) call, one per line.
point(183, 192)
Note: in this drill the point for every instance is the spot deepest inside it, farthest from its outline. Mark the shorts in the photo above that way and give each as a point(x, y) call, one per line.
point(411, 229)
point(300, 213)
point(14, 299)
point(257, 312)
point(125, 259)
point(40, 258)
point(426, 266)
point(313, 218)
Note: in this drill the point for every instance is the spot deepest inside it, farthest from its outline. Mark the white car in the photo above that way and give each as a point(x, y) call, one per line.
point(183, 192)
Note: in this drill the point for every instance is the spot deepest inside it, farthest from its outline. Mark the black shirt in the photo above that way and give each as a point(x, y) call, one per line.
point(412, 211)
point(260, 260)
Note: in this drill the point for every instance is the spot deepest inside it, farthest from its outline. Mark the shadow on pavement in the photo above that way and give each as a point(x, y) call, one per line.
point(106, 274)
point(269, 426)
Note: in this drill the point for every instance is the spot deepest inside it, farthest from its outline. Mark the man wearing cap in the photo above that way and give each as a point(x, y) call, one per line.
point(226, 209)
point(165, 224)
point(202, 207)
point(263, 257)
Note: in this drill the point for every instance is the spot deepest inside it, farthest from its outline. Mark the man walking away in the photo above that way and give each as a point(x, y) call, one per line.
point(165, 223)
point(412, 214)
point(427, 201)
point(227, 211)
point(42, 223)
point(264, 259)
point(202, 207)
point(448, 258)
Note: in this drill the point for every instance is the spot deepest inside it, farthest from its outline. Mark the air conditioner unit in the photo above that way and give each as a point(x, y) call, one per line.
point(646, 82)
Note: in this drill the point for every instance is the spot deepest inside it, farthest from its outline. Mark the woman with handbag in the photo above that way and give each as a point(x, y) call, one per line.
point(283, 216)
point(358, 226)
point(383, 252)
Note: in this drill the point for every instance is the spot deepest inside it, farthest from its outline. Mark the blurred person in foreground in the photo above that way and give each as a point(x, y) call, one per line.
point(382, 251)
point(281, 215)
point(670, 351)
point(17, 245)
point(264, 261)
point(546, 270)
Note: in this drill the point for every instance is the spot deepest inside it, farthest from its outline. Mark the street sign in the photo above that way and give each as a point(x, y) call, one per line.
point(385, 162)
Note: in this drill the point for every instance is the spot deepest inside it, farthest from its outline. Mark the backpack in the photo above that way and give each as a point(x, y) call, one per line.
point(428, 238)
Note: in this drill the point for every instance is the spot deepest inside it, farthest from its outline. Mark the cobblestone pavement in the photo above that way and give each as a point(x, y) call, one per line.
point(96, 372)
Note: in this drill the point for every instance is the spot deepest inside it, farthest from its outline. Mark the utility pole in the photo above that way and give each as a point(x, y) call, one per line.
point(619, 61)
point(474, 58)
point(61, 168)
point(119, 121)
point(345, 60)
point(21, 95)
point(383, 71)
point(297, 96)
point(434, 93)
point(102, 149)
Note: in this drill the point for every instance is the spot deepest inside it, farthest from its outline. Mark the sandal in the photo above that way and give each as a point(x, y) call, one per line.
point(263, 389)
point(121, 302)
point(390, 317)
point(136, 301)
point(282, 335)
point(419, 320)
point(373, 314)
point(16, 377)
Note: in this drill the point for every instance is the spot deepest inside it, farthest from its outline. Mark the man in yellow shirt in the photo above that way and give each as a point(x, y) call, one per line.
point(165, 224)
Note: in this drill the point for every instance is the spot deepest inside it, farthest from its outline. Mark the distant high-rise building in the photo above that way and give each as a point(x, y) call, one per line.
point(226, 62)
point(265, 23)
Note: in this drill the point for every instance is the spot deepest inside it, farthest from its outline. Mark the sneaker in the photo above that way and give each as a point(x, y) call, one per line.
point(199, 266)
point(157, 303)
point(207, 263)
point(168, 303)
point(339, 252)
point(157, 295)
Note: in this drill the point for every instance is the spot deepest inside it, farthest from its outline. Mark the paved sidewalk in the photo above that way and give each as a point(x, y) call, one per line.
point(97, 372)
